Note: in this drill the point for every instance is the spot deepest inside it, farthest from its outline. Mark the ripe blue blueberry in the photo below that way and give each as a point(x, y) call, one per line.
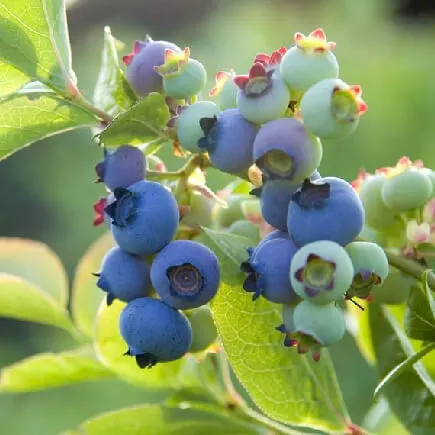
point(183, 77)
point(283, 149)
point(275, 234)
point(325, 209)
point(321, 272)
point(324, 324)
point(154, 332)
point(188, 127)
point(185, 274)
point(309, 61)
point(229, 139)
point(262, 95)
point(267, 271)
point(122, 167)
point(144, 217)
point(141, 62)
point(331, 108)
point(124, 276)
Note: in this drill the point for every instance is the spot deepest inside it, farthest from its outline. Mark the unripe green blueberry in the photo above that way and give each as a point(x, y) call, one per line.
point(200, 213)
point(407, 190)
point(377, 214)
point(245, 228)
point(321, 272)
point(226, 216)
point(395, 289)
point(288, 312)
point(226, 90)
point(204, 331)
point(188, 127)
point(370, 266)
point(324, 323)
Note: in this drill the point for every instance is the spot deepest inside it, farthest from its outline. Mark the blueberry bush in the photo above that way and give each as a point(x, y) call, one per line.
point(231, 298)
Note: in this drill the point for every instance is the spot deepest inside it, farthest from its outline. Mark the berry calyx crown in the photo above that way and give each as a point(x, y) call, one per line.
point(137, 47)
point(347, 104)
point(271, 60)
point(257, 82)
point(175, 63)
point(314, 43)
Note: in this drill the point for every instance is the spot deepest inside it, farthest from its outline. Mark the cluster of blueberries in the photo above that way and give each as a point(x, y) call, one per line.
point(272, 119)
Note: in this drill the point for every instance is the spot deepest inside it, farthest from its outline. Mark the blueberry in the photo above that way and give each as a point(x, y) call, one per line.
point(124, 276)
point(122, 167)
point(188, 127)
point(288, 327)
point(233, 212)
point(183, 77)
point(144, 217)
point(325, 209)
point(154, 332)
point(407, 190)
point(321, 272)
point(283, 149)
point(200, 213)
point(203, 328)
point(331, 108)
point(323, 323)
point(141, 62)
point(185, 274)
point(267, 271)
point(226, 90)
point(370, 266)
point(275, 196)
point(262, 95)
point(308, 61)
point(377, 214)
point(245, 228)
point(275, 234)
point(229, 139)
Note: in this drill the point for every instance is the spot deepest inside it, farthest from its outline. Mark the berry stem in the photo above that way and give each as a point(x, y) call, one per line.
point(410, 267)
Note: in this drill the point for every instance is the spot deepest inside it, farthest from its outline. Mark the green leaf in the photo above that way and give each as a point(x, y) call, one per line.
point(285, 385)
point(111, 348)
point(163, 420)
point(25, 119)
point(401, 368)
point(22, 300)
point(420, 312)
point(11, 79)
point(144, 122)
point(412, 394)
point(86, 296)
point(49, 370)
point(113, 93)
point(34, 39)
point(36, 263)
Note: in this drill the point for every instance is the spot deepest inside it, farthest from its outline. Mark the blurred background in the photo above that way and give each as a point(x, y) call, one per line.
point(47, 190)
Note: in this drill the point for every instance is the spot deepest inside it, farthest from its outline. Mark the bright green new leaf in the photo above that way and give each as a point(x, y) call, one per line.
point(25, 119)
point(11, 79)
point(112, 93)
point(144, 122)
point(36, 263)
point(22, 300)
point(49, 370)
point(164, 420)
point(411, 395)
point(86, 296)
point(111, 348)
point(420, 313)
point(34, 39)
point(285, 385)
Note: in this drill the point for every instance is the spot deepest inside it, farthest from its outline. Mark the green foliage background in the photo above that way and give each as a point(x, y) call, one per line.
point(46, 191)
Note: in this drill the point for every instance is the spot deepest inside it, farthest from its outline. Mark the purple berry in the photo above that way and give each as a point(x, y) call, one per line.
point(141, 62)
point(283, 149)
point(122, 167)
